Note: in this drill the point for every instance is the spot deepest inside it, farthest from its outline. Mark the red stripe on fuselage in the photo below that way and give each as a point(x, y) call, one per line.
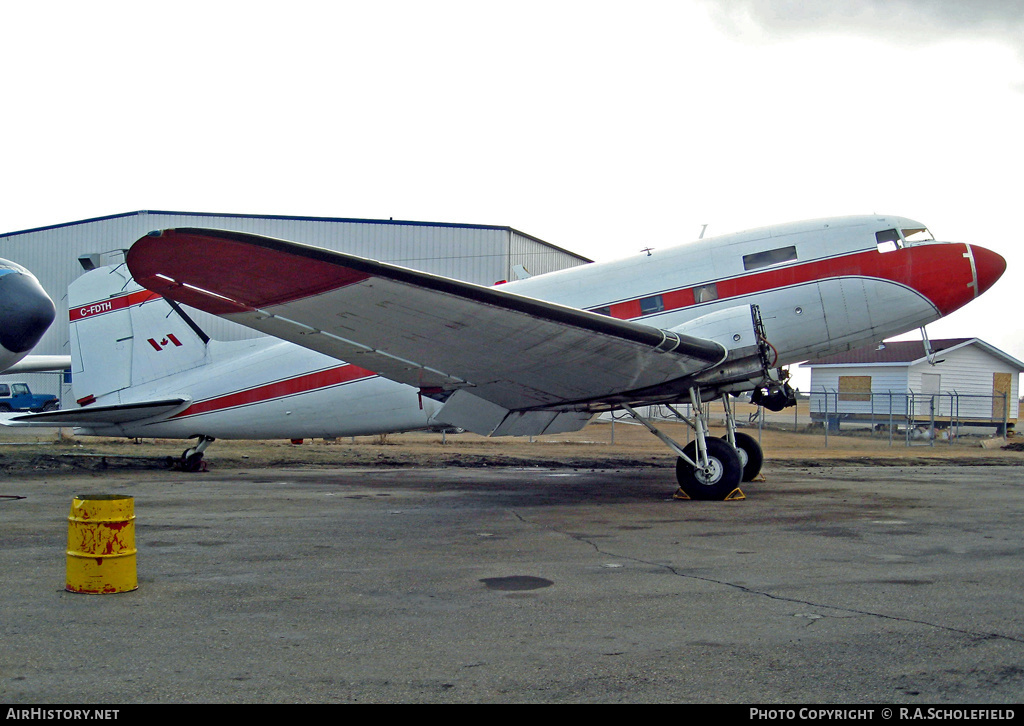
point(100, 307)
point(279, 389)
point(939, 272)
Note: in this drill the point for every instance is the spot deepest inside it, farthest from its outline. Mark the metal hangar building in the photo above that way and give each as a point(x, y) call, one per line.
point(482, 254)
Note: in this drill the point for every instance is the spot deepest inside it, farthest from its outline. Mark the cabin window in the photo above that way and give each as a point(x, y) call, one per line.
point(888, 240)
point(769, 257)
point(606, 310)
point(651, 305)
point(705, 293)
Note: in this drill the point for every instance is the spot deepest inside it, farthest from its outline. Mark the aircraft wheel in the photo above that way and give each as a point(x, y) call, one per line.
point(191, 463)
point(751, 455)
point(718, 480)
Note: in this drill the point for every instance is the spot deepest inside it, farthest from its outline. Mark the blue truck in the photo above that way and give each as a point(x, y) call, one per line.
point(18, 397)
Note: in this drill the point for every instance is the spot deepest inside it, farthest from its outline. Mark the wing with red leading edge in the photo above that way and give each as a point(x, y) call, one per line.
point(413, 327)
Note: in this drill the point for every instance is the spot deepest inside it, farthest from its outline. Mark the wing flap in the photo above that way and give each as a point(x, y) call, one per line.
point(420, 329)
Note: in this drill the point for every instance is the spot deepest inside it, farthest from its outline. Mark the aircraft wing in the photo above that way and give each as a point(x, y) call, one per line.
point(424, 330)
point(94, 416)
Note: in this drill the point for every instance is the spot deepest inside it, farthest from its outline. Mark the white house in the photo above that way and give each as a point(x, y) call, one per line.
point(966, 381)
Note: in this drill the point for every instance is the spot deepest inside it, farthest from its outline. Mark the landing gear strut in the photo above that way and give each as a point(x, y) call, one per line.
point(749, 451)
point(707, 468)
point(192, 458)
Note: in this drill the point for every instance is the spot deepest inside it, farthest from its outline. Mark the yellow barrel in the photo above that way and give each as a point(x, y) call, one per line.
point(101, 544)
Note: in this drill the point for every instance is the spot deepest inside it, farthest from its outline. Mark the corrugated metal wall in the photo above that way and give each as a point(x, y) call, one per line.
point(475, 253)
point(536, 256)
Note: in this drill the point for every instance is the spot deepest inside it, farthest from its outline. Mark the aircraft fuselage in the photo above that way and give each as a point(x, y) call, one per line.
point(821, 286)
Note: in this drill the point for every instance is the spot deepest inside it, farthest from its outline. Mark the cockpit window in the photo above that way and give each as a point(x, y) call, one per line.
point(888, 240)
point(769, 257)
point(919, 234)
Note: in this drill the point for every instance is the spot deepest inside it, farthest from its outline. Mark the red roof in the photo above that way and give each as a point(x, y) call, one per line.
point(895, 352)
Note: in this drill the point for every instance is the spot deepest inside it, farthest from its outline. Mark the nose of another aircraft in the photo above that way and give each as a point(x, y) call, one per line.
point(989, 267)
point(26, 311)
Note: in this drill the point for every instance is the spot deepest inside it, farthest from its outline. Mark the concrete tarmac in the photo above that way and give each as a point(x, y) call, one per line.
point(826, 585)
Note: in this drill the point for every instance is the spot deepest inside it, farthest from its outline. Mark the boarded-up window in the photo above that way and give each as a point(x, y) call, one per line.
point(1001, 386)
point(931, 383)
point(854, 388)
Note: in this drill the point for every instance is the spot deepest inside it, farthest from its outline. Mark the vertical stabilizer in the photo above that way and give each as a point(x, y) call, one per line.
point(123, 335)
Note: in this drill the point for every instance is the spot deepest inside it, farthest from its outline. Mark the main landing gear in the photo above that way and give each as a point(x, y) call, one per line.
point(192, 458)
point(710, 468)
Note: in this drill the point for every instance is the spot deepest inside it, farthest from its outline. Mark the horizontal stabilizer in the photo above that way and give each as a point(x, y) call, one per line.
point(89, 416)
point(40, 363)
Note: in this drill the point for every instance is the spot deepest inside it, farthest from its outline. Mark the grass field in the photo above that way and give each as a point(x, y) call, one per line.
point(599, 445)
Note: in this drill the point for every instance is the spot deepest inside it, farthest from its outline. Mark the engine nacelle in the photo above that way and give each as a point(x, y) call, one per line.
point(734, 328)
point(738, 329)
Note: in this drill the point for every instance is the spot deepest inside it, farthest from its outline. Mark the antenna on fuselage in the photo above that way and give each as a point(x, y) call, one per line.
point(702, 229)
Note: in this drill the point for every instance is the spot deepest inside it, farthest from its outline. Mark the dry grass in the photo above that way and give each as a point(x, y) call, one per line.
point(592, 447)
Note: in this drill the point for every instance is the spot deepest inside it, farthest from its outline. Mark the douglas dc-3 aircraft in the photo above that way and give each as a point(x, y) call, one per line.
point(360, 346)
point(26, 311)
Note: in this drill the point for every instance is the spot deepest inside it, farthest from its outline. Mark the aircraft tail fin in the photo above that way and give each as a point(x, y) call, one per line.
point(123, 335)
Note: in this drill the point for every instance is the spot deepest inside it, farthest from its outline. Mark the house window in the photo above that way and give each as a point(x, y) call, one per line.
point(769, 257)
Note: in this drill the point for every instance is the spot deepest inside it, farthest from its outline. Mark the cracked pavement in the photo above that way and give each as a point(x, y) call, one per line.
point(825, 585)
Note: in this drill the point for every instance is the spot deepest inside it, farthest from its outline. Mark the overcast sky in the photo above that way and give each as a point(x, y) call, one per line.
point(602, 127)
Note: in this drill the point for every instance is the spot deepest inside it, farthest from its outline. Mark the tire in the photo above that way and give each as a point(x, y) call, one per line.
point(191, 463)
point(751, 455)
point(722, 477)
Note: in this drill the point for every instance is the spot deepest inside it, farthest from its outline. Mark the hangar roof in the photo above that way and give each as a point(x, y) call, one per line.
point(394, 222)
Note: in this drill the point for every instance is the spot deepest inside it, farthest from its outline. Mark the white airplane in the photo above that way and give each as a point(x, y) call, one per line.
point(542, 355)
point(26, 312)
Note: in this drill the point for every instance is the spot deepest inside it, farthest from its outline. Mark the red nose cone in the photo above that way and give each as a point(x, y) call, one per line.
point(989, 267)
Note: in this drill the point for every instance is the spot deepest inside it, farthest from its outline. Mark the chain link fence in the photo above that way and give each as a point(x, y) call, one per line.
point(911, 416)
